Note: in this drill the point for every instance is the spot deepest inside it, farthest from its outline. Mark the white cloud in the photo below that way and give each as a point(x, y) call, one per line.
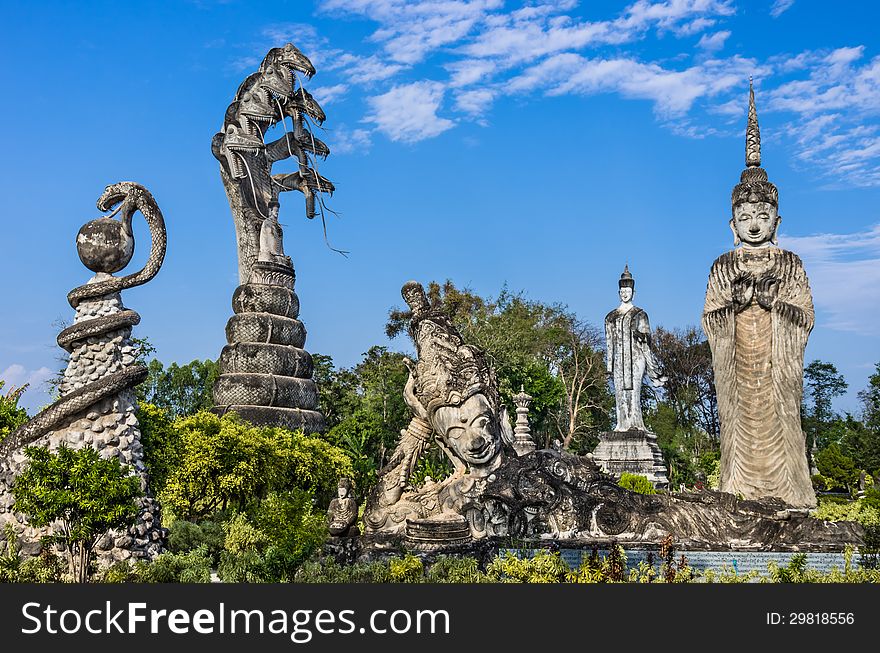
point(475, 102)
point(327, 94)
point(410, 30)
point(714, 41)
point(779, 7)
point(673, 92)
point(836, 107)
point(16, 376)
point(844, 273)
point(344, 141)
point(408, 112)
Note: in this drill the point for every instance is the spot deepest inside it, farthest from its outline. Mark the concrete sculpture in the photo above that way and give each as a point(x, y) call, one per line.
point(97, 407)
point(757, 318)
point(493, 492)
point(630, 447)
point(265, 374)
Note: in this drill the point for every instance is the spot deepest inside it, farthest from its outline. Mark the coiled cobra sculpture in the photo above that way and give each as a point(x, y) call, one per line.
point(105, 246)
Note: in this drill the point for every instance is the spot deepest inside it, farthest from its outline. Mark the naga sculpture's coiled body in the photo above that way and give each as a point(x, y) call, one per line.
point(133, 197)
point(97, 406)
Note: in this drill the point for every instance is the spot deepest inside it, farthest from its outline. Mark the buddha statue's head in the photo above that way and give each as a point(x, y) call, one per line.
point(755, 201)
point(453, 388)
point(626, 286)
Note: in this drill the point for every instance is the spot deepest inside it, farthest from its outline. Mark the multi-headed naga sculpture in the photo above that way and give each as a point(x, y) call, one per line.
point(454, 397)
point(97, 406)
point(757, 318)
point(265, 372)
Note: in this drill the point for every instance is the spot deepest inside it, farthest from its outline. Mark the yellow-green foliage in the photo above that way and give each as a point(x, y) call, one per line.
point(408, 569)
point(858, 511)
point(543, 567)
point(729, 575)
point(227, 463)
point(636, 483)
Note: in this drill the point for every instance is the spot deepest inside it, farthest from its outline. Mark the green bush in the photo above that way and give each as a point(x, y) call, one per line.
point(451, 569)
point(187, 536)
point(636, 483)
point(408, 569)
point(126, 571)
point(227, 464)
point(191, 567)
point(273, 540)
point(543, 567)
point(326, 570)
point(838, 509)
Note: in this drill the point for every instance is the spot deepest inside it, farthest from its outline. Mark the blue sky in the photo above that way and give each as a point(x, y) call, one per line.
point(540, 145)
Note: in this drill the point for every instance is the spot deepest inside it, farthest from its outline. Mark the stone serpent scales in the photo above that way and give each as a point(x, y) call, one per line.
point(105, 246)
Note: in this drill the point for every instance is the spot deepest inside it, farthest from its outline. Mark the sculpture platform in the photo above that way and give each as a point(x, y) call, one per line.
point(634, 451)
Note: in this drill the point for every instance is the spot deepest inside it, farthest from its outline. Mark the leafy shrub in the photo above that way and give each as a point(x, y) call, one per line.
point(408, 569)
point(191, 567)
point(228, 464)
point(273, 540)
point(543, 567)
point(838, 509)
point(609, 569)
point(126, 571)
point(187, 536)
point(451, 569)
point(326, 570)
point(636, 483)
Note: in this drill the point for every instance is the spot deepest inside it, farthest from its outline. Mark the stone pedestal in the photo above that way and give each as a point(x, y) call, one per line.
point(265, 374)
point(634, 451)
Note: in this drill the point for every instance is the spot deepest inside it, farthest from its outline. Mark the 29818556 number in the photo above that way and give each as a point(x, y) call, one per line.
point(820, 618)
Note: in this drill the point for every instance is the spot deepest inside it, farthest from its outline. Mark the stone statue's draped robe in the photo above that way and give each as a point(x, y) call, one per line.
point(627, 340)
point(758, 360)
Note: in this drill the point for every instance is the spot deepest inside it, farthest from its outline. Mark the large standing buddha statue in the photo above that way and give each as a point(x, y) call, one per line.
point(757, 317)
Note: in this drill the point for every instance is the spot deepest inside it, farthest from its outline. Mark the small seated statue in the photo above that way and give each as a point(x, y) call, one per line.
point(343, 511)
point(272, 239)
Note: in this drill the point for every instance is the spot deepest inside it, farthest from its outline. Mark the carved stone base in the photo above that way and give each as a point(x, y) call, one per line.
point(437, 532)
point(265, 374)
point(634, 451)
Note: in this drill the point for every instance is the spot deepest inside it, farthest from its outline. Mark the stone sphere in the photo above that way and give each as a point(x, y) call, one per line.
point(104, 246)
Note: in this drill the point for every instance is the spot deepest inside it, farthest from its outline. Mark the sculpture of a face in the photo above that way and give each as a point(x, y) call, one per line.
point(626, 294)
point(470, 430)
point(754, 223)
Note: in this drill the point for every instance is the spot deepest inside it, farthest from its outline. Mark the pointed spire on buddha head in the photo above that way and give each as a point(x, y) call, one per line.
point(755, 201)
point(753, 184)
point(626, 285)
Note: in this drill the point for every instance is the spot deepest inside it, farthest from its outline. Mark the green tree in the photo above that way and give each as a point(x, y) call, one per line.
point(382, 375)
point(361, 436)
point(338, 395)
point(686, 361)
point(85, 494)
point(836, 466)
point(226, 463)
point(181, 390)
point(11, 414)
point(870, 398)
point(822, 383)
point(162, 442)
